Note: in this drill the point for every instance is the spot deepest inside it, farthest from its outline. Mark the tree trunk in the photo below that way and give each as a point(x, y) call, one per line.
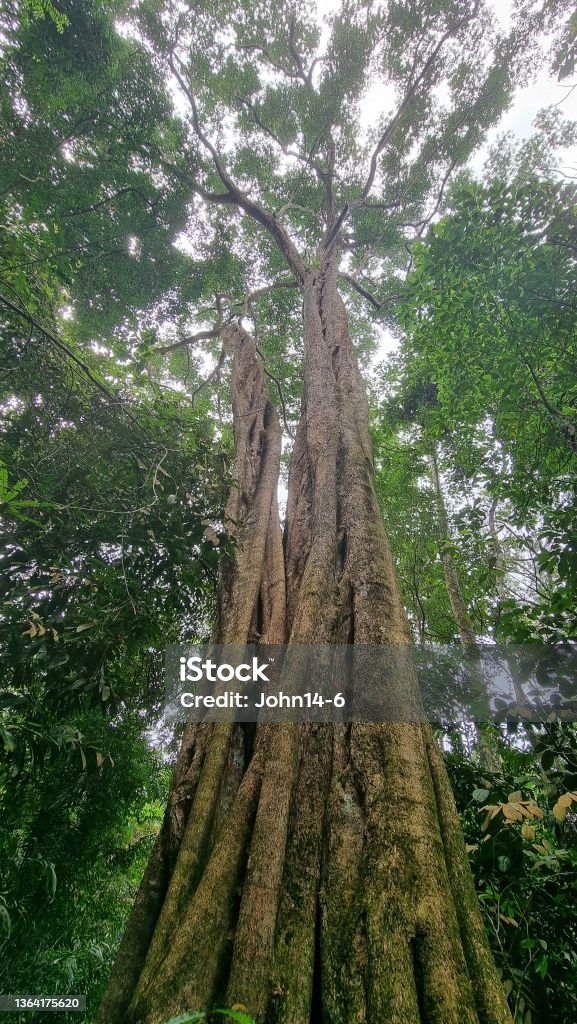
point(455, 594)
point(489, 759)
point(550, 787)
point(316, 872)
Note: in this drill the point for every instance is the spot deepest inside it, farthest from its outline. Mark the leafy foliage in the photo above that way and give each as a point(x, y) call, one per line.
point(485, 375)
point(108, 484)
point(490, 328)
point(235, 1013)
point(525, 866)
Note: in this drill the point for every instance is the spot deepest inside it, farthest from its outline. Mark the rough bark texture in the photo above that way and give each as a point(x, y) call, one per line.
point(334, 885)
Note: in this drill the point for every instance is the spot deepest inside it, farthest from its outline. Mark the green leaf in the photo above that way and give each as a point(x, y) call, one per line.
point(51, 880)
point(5, 920)
point(480, 795)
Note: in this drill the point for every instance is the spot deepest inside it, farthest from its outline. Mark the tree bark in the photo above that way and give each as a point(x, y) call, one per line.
point(321, 874)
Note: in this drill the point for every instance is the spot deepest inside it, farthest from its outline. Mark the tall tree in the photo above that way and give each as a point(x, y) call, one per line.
point(355, 894)
point(310, 871)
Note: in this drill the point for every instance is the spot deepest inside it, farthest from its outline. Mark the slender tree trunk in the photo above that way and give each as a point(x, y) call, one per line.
point(499, 554)
point(321, 873)
point(455, 594)
point(549, 785)
point(489, 758)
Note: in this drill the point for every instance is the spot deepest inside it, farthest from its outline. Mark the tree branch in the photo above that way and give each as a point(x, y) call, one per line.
point(234, 194)
point(294, 206)
point(305, 76)
point(267, 54)
point(279, 389)
point(566, 424)
point(62, 347)
point(361, 290)
point(250, 312)
point(216, 330)
point(333, 233)
point(213, 373)
point(213, 332)
point(296, 154)
point(424, 223)
point(77, 211)
point(288, 282)
point(410, 95)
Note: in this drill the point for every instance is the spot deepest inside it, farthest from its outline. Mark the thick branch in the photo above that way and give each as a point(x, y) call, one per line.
point(234, 194)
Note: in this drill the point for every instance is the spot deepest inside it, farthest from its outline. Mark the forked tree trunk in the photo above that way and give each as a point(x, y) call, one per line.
point(312, 873)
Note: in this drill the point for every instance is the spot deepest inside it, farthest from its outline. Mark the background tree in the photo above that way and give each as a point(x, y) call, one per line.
point(493, 329)
point(470, 319)
point(107, 483)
